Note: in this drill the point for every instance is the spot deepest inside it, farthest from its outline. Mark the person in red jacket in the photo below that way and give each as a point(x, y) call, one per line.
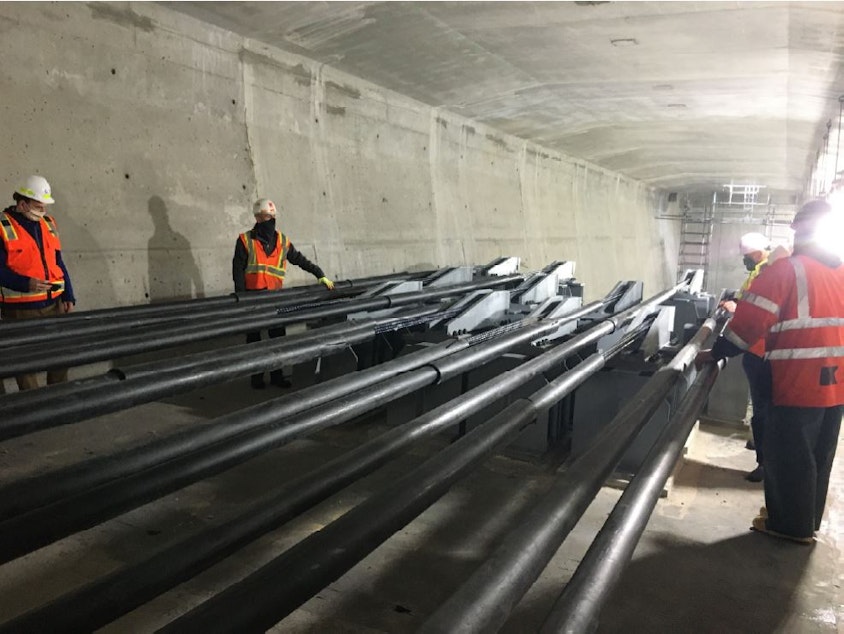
point(260, 264)
point(797, 305)
point(34, 281)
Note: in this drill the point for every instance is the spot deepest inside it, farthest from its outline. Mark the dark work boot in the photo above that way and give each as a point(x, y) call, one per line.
point(757, 475)
point(750, 445)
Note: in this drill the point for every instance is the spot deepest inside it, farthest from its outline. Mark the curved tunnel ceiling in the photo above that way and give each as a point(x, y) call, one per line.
point(685, 96)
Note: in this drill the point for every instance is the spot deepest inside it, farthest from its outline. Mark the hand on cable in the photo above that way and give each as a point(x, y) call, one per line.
point(729, 306)
point(327, 283)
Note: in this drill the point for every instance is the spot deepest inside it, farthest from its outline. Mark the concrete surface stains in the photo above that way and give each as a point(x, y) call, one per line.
point(299, 71)
point(123, 17)
point(537, 153)
point(498, 141)
point(349, 91)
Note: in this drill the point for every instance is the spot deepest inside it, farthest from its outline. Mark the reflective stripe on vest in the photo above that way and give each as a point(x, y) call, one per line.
point(733, 338)
point(761, 302)
point(802, 288)
point(805, 323)
point(807, 353)
point(807, 350)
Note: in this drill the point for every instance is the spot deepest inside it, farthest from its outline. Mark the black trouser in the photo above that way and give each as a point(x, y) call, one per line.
point(800, 446)
point(758, 374)
point(252, 337)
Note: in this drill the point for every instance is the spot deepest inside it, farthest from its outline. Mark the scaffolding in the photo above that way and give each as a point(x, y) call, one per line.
point(695, 239)
point(740, 196)
point(735, 204)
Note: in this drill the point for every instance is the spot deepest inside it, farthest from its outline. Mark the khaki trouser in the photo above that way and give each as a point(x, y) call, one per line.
point(30, 381)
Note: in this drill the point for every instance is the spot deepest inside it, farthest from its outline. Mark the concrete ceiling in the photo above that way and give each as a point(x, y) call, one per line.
point(685, 96)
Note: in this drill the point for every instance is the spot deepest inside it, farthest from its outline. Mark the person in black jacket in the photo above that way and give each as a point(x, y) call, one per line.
point(260, 263)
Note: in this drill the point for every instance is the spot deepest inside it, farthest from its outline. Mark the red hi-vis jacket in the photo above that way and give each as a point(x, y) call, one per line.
point(797, 303)
point(265, 272)
point(25, 258)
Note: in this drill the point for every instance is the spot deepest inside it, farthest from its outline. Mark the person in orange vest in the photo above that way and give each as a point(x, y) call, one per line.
point(756, 254)
point(260, 264)
point(797, 305)
point(34, 281)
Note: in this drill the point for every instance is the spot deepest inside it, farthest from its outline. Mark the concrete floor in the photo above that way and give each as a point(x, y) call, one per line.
point(698, 567)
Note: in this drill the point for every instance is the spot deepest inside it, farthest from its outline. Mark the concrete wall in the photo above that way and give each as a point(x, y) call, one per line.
point(157, 132)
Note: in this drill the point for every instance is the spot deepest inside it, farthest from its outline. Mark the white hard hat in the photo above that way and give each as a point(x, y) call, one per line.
point(264, 206)
point(37, 188)
point(751, 242)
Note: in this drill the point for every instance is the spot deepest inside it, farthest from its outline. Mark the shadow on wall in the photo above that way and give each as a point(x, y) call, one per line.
point(87, 262)
point(173, 271)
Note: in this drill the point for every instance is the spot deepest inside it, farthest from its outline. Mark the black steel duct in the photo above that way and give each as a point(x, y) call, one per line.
point(43, 525)
point(282, 585)
point(485, 600)
point(104, 317)
point(65, 403)
point(30, 493)
point(57, 330)
point(104, 600)
point(577, 609)
point(150, 338)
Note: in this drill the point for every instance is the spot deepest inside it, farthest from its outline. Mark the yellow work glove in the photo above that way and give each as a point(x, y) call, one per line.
point(327, 283)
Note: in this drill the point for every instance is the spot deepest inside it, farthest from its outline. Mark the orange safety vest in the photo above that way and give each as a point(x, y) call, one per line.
point(797, 303)
point(25, 258)
point(758, 348)
point(265, 272)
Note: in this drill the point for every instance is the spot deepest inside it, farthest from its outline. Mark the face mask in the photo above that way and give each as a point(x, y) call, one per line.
point(266, 228)
point(34, 214)
point(749, 263)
